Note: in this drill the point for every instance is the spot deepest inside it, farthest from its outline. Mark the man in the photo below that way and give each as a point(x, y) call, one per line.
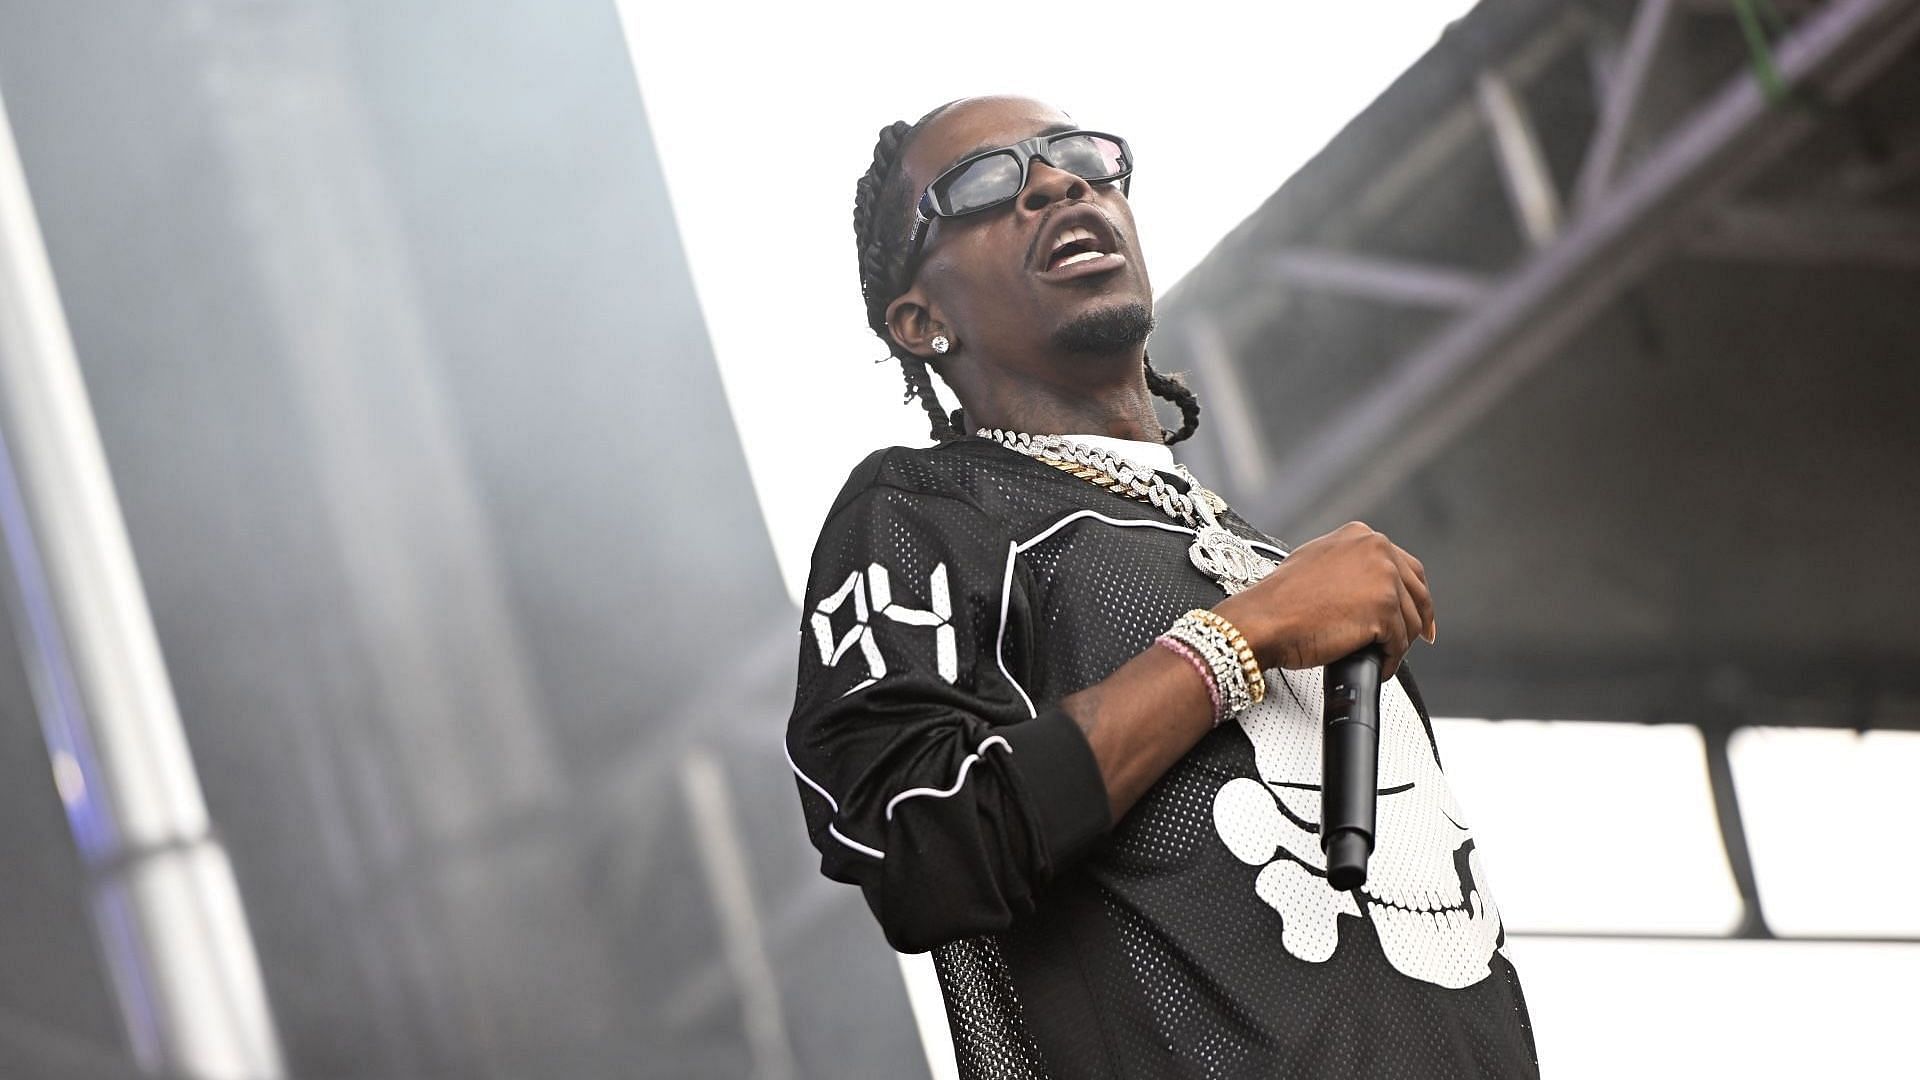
point(1059, 709)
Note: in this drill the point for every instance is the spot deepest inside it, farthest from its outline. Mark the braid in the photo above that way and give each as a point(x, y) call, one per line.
point(920, 386)
point(876, 273)
point(1174, 389)
point(881, 213)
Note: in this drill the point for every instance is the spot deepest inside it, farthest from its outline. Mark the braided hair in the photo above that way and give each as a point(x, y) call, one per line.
point(1174, 388)
point(882, 214)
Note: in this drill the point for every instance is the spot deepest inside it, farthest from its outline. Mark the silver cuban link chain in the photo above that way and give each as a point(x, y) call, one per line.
point(1219, 553)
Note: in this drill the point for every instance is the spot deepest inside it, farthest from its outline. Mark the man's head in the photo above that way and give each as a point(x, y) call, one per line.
point(1045, 288)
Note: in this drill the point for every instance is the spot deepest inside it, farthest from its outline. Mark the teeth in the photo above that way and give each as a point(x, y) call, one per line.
point(1080, 258)
point(1070, 236)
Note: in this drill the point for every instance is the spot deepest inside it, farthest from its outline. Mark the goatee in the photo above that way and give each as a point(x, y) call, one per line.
point(1106, 330)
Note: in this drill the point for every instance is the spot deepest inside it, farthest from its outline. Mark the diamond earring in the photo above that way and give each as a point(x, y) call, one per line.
point(940, 344)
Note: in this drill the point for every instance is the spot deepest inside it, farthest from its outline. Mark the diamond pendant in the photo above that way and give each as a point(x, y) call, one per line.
point(1228, 559)
point(1224, 556)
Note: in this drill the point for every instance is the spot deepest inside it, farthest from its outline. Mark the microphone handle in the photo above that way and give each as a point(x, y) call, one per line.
point(1350, 765)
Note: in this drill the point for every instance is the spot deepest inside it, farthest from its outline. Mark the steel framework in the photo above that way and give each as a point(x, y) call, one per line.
point(1623, 217)
point(1668, 168)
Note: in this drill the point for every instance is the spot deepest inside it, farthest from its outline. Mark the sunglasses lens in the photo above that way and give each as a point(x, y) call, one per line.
point(1094, 157)
point(982, 183)
point(997, 177)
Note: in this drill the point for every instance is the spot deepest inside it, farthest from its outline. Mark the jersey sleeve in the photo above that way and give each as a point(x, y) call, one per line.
point(927, 775)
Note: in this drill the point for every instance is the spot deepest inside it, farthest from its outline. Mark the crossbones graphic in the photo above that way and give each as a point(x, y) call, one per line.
point(1426, 896)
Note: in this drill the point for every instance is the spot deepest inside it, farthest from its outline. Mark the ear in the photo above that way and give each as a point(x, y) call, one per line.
point(913, 323)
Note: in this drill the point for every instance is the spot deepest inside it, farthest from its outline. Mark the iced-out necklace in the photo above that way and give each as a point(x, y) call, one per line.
point(1219, 553)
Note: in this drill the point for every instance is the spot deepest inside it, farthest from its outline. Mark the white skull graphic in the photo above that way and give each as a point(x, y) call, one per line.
point(1426, 895)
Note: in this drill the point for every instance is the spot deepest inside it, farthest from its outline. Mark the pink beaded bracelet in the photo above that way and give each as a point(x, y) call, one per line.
point(1199, 663)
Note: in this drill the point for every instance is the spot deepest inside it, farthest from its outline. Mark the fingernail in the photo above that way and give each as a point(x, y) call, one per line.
point(1433, 630)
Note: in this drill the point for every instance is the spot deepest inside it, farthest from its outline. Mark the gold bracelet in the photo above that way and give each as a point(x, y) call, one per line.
point(1256, 682)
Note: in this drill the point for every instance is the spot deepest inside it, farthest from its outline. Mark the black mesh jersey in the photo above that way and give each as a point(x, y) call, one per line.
point(957, 595)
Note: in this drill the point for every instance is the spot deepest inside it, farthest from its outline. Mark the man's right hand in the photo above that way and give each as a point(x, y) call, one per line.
point(1333, 596)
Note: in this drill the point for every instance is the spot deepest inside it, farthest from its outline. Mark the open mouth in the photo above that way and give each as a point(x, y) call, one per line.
point(1081, 241)
point(1073, 247)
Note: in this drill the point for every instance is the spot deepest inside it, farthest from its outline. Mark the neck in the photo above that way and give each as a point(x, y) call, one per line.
point(1118, 405)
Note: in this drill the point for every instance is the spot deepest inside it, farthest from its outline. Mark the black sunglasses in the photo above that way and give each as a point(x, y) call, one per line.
point(986, 180)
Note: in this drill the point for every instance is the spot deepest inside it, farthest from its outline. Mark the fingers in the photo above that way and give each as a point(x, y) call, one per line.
point(1415, 616)
point(1368, 588)
point(1401, 631)
point(1414, 576)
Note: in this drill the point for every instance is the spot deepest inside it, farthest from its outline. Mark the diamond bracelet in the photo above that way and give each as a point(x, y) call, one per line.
point(1221, 656)
point(1249, 665)
point(1198, 663)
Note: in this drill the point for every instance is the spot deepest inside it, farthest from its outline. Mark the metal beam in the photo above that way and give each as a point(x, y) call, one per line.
point(1621, 111)
point(726, 865)
point(1820, 234)
point(1380, 192)
point(1405, 177)
point(1733, 831)
point(1367, 277)
point(1244, 447)
point(1523, 165)
point(166, 908)
point(1429, 397)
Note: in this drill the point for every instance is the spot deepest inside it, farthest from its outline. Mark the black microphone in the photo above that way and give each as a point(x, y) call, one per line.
point(1350, 765)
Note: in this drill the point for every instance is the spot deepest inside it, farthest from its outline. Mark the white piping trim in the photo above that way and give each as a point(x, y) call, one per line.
point(796, 771)
point(831, 828)
point(1000, 639)
point(936, 793)
point(1282, 552)
point(999, 648)
point(855, 844)
point(1131, 523)
point(1006, 584)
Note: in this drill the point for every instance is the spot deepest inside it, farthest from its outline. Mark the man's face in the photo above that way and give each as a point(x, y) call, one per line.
point(995, 278)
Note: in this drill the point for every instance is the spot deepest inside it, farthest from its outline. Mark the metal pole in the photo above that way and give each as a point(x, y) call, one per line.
point(165, 905)
point(1523, 164)
point(1384, 280)
point(727, 867)
point(1621, 110)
